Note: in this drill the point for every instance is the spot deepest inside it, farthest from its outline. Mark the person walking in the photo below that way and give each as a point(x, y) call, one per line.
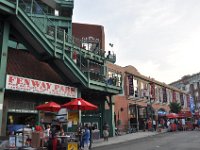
point(168, 125)
point(91, 140)
point(105, 131)
point(149, 122)
point(183, 124)
point(86, 138)
point(47, 134)
point(154, 124)
point(198, 123)
point(144, 125)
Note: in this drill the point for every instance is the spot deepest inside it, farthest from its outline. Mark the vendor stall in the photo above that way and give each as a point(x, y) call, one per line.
point(172, 118)
point(189, 120)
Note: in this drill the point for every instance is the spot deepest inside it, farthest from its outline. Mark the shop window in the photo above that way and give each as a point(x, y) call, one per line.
point(21, 106)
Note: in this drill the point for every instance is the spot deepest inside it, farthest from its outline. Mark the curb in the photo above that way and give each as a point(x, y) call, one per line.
point(123, 138)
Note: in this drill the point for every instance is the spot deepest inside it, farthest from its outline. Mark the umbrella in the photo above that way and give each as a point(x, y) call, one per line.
point(50, 106)
point(172, 115)
point(79, 104)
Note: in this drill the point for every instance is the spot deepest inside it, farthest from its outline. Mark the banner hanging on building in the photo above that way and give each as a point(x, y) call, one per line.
point(192, 105)
point(164, 91)
point(188, 100)
point(181, 99)
point(17, 83)
point(153, 91)
point(174, 96)
point(130, 83)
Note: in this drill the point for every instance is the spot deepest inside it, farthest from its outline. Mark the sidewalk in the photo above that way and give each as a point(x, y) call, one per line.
point(125, 137)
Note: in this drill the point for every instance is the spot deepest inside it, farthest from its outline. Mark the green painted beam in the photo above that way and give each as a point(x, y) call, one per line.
point(4, 37)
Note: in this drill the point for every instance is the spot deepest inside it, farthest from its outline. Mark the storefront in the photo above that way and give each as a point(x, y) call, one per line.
point(139, 114)
point(24, 94)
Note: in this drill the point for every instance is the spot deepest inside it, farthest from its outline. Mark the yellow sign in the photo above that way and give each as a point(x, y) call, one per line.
point(72, 146)
point(73, 117)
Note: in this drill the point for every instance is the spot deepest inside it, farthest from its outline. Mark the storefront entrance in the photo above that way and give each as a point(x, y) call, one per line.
point(139, 115)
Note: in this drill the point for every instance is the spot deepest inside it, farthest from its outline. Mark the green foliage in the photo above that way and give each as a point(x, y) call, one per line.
point(175, 107)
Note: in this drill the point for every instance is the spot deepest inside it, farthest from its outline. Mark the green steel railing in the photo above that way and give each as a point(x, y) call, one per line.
point(71, 46)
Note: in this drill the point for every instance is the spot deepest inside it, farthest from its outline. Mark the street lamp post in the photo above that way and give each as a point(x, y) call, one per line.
point(151, 101)
point(151, 112)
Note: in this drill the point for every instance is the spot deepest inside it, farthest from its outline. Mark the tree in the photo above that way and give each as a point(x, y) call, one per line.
point(175, 107)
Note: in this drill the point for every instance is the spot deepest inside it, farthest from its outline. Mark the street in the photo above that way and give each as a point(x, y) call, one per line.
point(188, 140)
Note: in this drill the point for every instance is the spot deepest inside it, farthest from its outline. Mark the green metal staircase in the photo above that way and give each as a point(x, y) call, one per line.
point(52, 44)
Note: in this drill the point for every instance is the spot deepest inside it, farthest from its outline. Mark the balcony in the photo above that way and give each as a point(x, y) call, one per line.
point(111, 57)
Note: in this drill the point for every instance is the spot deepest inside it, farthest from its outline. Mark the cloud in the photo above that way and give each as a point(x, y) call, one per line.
point(160, 38)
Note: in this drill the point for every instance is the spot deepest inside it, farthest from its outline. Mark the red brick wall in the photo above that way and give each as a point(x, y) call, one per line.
point(86, 30)
point(121, 110)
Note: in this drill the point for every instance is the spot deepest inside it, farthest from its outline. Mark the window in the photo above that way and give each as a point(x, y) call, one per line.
point(183, 88)
point(56, 13)
point(142, 85)
point(135, 87)
point(187, 88)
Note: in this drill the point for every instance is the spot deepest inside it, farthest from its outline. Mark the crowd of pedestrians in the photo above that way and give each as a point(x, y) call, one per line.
point(171, 124)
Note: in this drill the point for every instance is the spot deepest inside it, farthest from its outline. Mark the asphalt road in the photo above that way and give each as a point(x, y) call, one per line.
point(187, 140)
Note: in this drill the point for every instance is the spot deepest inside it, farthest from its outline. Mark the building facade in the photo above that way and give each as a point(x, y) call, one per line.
point(143, 98)
point(191, 85)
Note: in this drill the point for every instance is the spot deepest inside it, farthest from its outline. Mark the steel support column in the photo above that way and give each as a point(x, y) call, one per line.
point(112, 120)
point(4, 37)
point(79, 112)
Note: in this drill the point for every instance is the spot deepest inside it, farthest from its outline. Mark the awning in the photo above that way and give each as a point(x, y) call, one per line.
point(162, 113)
point(139, 104)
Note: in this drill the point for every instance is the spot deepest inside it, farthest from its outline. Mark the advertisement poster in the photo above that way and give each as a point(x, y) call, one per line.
point(73, 117)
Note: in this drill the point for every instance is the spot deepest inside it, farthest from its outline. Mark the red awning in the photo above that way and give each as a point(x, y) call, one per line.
point(172, 115)
point(185, 114)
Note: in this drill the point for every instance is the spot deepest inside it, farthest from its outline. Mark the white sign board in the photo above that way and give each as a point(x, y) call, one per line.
point(37, 86)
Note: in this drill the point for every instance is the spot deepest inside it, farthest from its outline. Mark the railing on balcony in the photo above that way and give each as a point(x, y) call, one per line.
point(114, 78)
point(111, 57)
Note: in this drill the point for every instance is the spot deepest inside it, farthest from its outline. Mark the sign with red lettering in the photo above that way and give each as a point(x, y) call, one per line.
point(36, 86)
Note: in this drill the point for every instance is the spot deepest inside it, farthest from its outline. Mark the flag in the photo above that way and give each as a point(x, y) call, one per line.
point(153, 94)
point(130, 79)
point(181, 99)
point(164, 95)
point(174, 96)
point(110, 44)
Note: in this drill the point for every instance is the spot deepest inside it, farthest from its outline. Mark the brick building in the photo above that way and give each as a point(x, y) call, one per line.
point(191, 85)
point(143, 97)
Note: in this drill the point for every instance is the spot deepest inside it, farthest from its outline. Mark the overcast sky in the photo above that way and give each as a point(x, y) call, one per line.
point(161, 38)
